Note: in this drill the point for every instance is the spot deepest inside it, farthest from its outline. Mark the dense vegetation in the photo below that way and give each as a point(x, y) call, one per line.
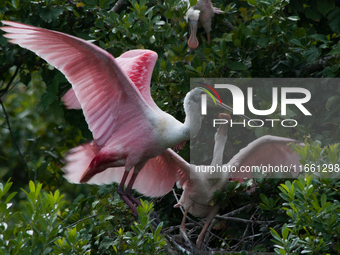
point(43, 214)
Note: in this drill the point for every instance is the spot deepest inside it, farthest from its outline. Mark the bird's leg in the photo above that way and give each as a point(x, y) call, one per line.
point(201, 235)
point(127, 192)
point(183, 229)
point(208, 37)
point(121, 192)
point(210, 217)
point(129, 187)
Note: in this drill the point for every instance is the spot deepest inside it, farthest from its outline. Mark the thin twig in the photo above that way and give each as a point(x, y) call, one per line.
point(3, 91)
point(173, 228)
point(176, 246)
point(117, 6)
point(244, 220)
point(237, 211)
point(75, 223)
point(229, 214)
point(197, 223)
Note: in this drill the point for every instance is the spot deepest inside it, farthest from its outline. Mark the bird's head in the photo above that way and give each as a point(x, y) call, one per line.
point(192, 17)
point(193, 101)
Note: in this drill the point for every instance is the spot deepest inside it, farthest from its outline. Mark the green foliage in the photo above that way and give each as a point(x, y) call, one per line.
point(321, 162)
point(303, 215)
point(38, 227)
point(6, 214)
point(312, 206)
point(233, 191)
point(142, 239)
point(273, 38)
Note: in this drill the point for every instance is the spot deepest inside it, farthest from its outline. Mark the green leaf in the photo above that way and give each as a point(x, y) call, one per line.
point(6, 188)
point(312, 14)
point(37, 192)
point(334, 19)
point(31, 186)
point(105, 4)
point(323, 199)
point(50, 14)
point(264, 41)
point(320, 37)
point(193, 2)
point(334, 52)
point(312, 54)
point(236, 65)
point(264, 199)
point(29, 209)
point(15, 4)
point(51, 93)
point(325, 7)
point(296, 42)
point(191, 68)
point(337, 247)
point(252, 3)
point(10, 197)
point(331, 100)
point(275, 235)
point(90, 3)
point(293, 18)
point(257, 16)
point(159, 228)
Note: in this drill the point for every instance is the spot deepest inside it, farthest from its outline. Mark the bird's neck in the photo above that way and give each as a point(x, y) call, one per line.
point(220, 142)
point(192, 123)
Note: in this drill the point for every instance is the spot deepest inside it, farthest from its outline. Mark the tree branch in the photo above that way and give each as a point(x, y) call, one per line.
point(2, 92)
point(117, 6)
point(318, 65)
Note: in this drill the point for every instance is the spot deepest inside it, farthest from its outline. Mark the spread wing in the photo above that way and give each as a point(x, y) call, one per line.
point(264, 151)
point(131, 62)
point(106, 94)
point(156, 178)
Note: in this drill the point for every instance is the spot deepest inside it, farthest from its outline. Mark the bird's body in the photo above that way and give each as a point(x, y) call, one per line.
point(199, 189)
point(200, 15)
point(128, 128)
point(206, 13)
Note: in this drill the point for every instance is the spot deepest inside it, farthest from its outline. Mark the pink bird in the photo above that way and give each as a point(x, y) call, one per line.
point(199, 15)
point(130, 131)
point(199, 187)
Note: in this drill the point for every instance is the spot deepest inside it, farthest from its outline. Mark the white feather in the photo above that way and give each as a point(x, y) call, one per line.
point(192, 14)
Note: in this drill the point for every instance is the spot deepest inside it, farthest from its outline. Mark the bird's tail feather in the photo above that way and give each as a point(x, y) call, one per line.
point(78, 160)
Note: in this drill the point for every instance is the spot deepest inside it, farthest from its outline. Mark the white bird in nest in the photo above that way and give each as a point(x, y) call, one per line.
point(199, 187)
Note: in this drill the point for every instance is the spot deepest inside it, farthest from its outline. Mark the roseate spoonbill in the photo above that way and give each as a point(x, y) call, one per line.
point(114, 94)
point(198, 15)
point(199, 187)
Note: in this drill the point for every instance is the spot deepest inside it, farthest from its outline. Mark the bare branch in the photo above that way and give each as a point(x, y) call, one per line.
point(2, 92)
point(75, 223)
point(117, 6)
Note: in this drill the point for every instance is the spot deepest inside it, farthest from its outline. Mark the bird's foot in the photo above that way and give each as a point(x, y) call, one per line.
point(156, 221)
point(133, 199)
